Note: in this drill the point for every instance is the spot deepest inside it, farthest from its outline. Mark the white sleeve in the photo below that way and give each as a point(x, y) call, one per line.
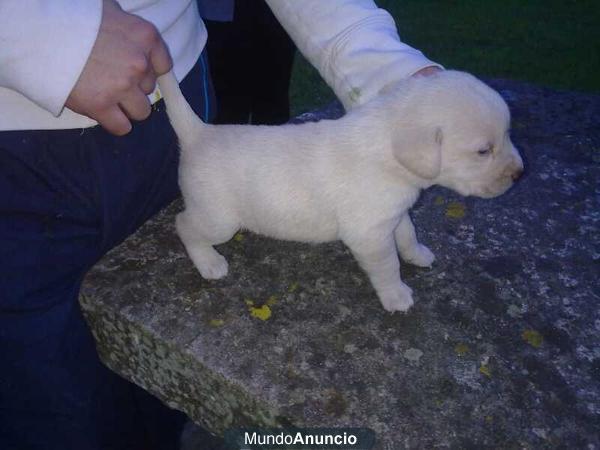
point(353, 44)
point(44, 46)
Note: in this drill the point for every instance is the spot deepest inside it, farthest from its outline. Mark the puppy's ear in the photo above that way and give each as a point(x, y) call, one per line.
point(419, 150)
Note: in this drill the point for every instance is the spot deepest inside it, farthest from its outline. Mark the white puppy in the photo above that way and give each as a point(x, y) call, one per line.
point(352, 179)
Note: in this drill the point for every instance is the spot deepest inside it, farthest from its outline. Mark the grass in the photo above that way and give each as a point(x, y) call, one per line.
point(552, 43)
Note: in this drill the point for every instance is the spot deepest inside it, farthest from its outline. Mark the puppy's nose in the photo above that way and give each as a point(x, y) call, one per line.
point(516, 174)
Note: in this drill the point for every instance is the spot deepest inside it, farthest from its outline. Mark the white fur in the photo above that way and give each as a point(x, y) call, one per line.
point(352, 179)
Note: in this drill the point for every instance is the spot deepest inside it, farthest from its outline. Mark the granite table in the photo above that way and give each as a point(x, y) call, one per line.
point(500, 350)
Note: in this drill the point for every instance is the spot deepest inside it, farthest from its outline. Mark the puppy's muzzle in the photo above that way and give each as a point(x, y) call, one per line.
point(515, 169)
point(512, 172)
point(516, 174)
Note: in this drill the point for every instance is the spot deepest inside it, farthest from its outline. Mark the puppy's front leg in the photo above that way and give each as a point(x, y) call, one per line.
point(410, 249)
point(380, 260)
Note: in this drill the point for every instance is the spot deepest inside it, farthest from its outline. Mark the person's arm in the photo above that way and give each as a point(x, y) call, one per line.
point(353, 44)
point(87, 55)
point(44, 46)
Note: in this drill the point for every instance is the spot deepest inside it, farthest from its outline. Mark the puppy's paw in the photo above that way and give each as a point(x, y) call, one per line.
point(398, 300)
point(420, 256)
point(214, 268)
point(210, 264)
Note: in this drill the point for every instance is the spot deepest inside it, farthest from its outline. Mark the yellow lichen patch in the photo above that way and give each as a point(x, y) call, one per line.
point(239, 237)
point(248, 301)
point(335, 404)
point(293, 287)
point(271, 300)
point(461, 349)
point(216, 322)
point(485, 369)
point(533, 338)
point(455, 210)
point(263, 312)
point(439, 200)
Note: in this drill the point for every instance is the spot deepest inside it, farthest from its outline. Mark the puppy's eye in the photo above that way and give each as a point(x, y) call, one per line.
point(484, 151)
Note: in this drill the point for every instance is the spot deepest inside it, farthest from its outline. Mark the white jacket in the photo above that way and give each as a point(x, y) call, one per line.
point(44, 46)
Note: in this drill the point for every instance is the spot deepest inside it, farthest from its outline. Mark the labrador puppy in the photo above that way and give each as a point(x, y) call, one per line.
point(352, 179)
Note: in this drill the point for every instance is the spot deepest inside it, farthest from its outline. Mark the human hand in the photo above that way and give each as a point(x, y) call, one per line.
point(127, 57)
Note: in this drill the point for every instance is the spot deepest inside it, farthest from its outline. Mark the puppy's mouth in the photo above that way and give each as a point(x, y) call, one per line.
point(490, 190)
point(495, 190)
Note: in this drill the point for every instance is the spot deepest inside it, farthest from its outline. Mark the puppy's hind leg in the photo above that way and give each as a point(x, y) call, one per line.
point(199, 233)
point(411, 250)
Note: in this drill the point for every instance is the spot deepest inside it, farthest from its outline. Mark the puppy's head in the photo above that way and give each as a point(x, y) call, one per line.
point(454, 131)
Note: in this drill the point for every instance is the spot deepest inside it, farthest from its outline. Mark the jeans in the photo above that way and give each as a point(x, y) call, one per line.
point(66, 198)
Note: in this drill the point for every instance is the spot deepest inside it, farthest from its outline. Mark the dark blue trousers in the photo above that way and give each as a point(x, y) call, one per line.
point(66, 198)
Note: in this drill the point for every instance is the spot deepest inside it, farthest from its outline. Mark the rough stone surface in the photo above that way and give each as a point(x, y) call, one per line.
point(500, 350)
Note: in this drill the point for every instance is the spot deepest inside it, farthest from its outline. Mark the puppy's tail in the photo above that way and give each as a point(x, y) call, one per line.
point(184, 120)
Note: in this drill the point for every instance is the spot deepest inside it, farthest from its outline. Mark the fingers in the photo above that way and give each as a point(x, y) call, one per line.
point(114, 121)
point(148, 83)
point(160, 59)
point(133, 105)
point(156, 50)
point(136, 105)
